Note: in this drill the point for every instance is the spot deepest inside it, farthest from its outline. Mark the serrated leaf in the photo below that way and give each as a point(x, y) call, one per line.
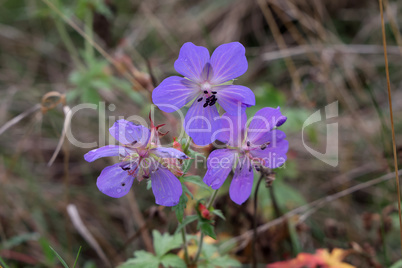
point(142, 259)
point(187, 220)
point(171, 260)
point(166, 242)
point(219, 213)
point(197, 181)
point(208, 229)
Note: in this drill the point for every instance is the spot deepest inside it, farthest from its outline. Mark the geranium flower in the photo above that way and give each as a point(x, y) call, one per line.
point(260, 144)
point(141, 158)
point(205, 83)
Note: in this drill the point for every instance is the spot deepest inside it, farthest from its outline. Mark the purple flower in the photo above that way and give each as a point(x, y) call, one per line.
point(141, 158)
point(206, 82)
point(260, 144)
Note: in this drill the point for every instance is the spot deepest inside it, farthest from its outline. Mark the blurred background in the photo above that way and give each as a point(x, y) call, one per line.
point(303, 55)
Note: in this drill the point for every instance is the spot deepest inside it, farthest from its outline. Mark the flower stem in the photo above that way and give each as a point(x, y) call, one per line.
point(210, 203)
point(187, 145)
point(183, 236)
point(254, 253)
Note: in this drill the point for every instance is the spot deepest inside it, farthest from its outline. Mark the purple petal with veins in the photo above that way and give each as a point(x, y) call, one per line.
point(105, 151)
point(114, 181)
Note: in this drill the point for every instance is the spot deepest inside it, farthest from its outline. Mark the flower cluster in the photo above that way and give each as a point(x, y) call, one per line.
point(141, 158)
point(207, 84)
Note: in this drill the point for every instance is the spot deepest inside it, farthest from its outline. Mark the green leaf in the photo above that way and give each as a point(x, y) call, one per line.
point(142, 259)
point(76, 258)
point(187, 220)
point(3, 263)
point(398, 264)
point(218, 213)
point(208, 229)
point(171, 260)
point(179, 208)
point(166, 242)
point(19, 239)
point(59, 257)
point(197, 181)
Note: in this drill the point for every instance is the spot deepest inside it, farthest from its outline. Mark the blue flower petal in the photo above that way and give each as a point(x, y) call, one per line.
point(242, 182)
point(201, 124)
point(235, 99)
point(173, 93)
point(114, 181)
point(263, 122)
point(191, 62)
point(127, 132)
point(228, 62)
point(219, 163)
point(274, 155)
point(232, 129)
point(169, 153)
point(272, 137)
point(166, 187)
point(105, 151)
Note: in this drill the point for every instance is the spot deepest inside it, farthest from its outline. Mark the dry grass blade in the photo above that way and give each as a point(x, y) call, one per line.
point(82, 229)
point(106, 55)
point(305, 211)
point(384, 41)
point(66, 125)
point(18, 118)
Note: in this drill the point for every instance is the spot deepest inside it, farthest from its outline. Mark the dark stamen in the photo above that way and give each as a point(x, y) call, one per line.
point(248, 143)
point(250, 168)
point(214, 92)
point(145, 176)
point(134, 142)
point(125, 168)
point(263, 146)
point(205, 92)
point(200, 99)
point(205, 104)
point(123, 184)
point(257, 168)
point(212, 103)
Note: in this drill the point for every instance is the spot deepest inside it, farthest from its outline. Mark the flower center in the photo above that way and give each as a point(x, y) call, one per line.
point(210, 96)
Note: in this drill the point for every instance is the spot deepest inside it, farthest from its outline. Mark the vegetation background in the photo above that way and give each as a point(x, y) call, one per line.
point(303, 55)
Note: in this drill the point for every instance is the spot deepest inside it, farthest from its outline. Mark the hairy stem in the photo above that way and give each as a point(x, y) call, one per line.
point(209, 205)
point(183, 236)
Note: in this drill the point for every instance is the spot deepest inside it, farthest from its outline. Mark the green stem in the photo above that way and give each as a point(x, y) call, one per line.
point(253, 245)
point(187, 145)
point(183, 236)
point(210, 203)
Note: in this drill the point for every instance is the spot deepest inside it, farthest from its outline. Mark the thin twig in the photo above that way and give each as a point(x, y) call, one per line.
point(303, 209)
point(384, 41)
point(67, 120)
